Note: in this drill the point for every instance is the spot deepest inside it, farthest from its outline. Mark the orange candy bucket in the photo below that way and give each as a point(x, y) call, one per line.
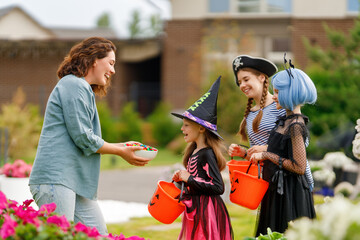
point(248, 190)
point(241, 166)
point(163, 206)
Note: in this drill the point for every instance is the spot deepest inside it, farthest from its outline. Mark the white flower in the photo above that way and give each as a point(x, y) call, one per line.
point(337, 159)
point(325, 175)
point(334, 218)
point(356, 142)
point(356, 145)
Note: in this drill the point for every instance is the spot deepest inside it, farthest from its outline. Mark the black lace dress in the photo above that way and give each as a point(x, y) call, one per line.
point(288, 196)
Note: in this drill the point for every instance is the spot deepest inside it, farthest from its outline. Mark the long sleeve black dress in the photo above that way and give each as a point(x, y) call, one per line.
point(288, 196)
point(206, 216)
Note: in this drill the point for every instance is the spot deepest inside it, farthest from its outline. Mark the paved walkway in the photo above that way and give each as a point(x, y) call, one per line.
point(138, 184)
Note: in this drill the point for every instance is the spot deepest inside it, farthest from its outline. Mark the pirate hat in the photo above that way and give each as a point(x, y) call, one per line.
point(204, 110)
point(261, 64)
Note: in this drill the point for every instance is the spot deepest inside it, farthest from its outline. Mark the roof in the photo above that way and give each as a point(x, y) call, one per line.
point(65, 33)
point(79, 33)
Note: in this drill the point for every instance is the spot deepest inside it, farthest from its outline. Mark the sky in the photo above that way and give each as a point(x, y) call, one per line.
point(84, 13)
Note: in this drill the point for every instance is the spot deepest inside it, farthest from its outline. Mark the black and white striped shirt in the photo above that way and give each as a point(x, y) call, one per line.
point(270, 115)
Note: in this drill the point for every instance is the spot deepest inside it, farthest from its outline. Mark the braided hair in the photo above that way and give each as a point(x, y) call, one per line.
point(257, 119)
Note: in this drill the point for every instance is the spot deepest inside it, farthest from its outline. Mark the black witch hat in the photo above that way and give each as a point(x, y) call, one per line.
point(204, 110)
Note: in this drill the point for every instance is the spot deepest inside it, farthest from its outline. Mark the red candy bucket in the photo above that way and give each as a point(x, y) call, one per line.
point(163, 206)
point(248, 190)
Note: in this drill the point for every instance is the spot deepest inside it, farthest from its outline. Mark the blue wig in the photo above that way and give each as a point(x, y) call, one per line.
point(296, 90)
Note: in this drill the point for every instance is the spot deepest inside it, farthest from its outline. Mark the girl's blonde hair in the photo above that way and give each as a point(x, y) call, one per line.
point(257, 119)
point(213, 142)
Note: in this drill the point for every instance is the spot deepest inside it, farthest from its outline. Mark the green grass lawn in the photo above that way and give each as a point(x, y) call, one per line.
point(242, 219)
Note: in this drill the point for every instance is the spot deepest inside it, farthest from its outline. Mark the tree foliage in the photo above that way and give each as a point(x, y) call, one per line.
point(23, 122)
point(231, 102)
point(336, 74)
point(104, 20)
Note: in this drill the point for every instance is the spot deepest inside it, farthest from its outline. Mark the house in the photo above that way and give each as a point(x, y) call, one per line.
point(204, 33)
point(173, 67)
point(30, 55)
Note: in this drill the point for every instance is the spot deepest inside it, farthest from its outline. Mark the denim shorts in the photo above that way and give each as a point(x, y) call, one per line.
point(75, 208)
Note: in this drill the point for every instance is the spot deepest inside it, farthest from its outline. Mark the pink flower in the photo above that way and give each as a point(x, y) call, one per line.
point(79, 227)
point(27, 203)
point(27, 215)
point(61, 222)
point(19, 169)
point(115, 237)
point(93, 232)
point(48, 208)
point(3, 201)
point(8, 227)
point(135, 238)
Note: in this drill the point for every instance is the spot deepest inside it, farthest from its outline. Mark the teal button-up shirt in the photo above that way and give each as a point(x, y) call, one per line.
point(69, 139)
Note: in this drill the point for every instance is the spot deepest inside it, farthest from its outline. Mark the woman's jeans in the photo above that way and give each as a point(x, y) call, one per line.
point(75, 208)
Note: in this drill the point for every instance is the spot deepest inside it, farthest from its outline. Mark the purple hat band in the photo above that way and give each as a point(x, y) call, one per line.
point(200, 121)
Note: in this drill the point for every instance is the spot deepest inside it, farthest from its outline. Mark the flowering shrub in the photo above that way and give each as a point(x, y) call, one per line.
point(19, 169)
point(326, 176)
point(23, 222)
point(337, 159)
point(356, 141)
point(337, 219)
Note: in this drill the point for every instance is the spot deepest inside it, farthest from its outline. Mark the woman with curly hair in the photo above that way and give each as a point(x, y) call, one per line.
point(67, 163)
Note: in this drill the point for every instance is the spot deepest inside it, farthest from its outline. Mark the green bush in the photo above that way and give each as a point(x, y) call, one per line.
point(23, 122)
point(164, 128)
point(129, 125)
point(108, 122)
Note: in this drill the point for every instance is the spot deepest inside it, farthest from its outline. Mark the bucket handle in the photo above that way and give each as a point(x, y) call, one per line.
point(258, 164)
point(182, 189)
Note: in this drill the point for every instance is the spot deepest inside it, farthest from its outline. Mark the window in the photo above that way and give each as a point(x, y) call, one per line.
point(353, 5)
point(281, 45)
point(264, 6)
point(218, 6)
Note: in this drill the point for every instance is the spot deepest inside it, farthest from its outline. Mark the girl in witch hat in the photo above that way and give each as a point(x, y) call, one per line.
point(288, 196)
point(206, 216)
point(252, 77)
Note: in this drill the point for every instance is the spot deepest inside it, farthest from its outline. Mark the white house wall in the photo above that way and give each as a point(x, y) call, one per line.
point(17, 26)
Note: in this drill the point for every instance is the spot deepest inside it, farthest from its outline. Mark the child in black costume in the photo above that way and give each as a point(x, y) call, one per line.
point(205, 216)
point(288, 196)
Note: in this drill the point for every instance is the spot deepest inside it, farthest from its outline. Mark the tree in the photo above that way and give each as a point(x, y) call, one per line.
point(336, 73)
point(134, 25)
point(156, 24)
point(104, 20)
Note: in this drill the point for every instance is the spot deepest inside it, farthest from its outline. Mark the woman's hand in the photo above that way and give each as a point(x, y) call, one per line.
point(181, 175)
point(128, 154)
point(257, 149)
point(257, 157)
point(236, 150)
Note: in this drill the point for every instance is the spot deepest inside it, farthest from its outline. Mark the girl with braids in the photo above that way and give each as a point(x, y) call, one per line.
point(205, 216)
point(252, 76)
point(67, 163)
point(288, 196)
